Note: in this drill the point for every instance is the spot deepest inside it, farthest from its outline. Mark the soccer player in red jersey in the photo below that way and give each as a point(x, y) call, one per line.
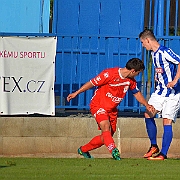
point(112, 85)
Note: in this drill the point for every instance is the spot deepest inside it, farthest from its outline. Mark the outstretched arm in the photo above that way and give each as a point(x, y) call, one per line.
point(142, 100)
point(85, 87)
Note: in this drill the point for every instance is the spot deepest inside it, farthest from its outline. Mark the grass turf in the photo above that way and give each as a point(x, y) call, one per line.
point(82, 169)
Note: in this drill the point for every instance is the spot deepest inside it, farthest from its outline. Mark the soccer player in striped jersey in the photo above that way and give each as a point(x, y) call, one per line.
point(112, 85)
point(166, 98)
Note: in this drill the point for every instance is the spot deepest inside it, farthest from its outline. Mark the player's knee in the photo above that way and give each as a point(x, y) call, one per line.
point(104, 125)
point(167, 121)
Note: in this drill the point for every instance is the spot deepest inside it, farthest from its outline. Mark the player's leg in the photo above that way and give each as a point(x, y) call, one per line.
point(97, 141)
point(113, 120)
point(108, 139)
point(106, 134)
point(166, 140)
point(103, 120)
point(94, 143)
point(113, 123)
point(151, 127)
point(169, 114)
point(167, 136)
point(152, 134)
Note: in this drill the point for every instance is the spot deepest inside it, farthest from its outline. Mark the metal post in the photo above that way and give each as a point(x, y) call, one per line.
point(55, 16)
point(160, 27)
point(41, 16)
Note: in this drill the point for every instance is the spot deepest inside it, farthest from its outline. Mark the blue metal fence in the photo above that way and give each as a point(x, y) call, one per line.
point(94, 35)
point(80, 58)
point(98, 34)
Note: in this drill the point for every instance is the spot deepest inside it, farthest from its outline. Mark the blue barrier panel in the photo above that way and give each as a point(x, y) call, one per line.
point(83, 59)
point(94, 35)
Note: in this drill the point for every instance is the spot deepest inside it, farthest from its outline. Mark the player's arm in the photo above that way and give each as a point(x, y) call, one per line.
point(142, 100)
point(174, 58)
point(137, 94)
point(83, 88)
point(176, 78)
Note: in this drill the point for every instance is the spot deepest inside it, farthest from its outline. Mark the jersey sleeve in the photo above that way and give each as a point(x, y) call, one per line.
point(133, 86)
point(101, 78)
point(171, 56)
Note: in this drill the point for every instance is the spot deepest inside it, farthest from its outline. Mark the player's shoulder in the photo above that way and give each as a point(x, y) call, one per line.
point(166, 49)
point(170, 52)
point(163, 48)
point(112, 70)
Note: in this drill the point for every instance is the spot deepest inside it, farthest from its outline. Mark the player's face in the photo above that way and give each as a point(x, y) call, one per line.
point(146, 44)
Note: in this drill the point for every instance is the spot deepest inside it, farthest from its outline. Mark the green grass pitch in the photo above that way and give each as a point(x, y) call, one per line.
point(87, 169)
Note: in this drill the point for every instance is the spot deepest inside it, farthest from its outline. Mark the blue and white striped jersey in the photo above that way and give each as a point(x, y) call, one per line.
point(165, 62)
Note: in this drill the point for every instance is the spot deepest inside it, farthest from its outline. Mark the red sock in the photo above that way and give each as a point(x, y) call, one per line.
point(96, 142)
point(108, 140)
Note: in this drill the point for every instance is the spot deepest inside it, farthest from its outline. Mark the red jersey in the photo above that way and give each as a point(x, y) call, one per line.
point(112, 88)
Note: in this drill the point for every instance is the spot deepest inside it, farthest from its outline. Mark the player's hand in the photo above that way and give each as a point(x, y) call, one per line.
point(171, 84)
point(71, 96)
point(151, 109)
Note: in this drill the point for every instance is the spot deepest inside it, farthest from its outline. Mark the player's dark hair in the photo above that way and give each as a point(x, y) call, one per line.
point(147, 33)
point(136, 64)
